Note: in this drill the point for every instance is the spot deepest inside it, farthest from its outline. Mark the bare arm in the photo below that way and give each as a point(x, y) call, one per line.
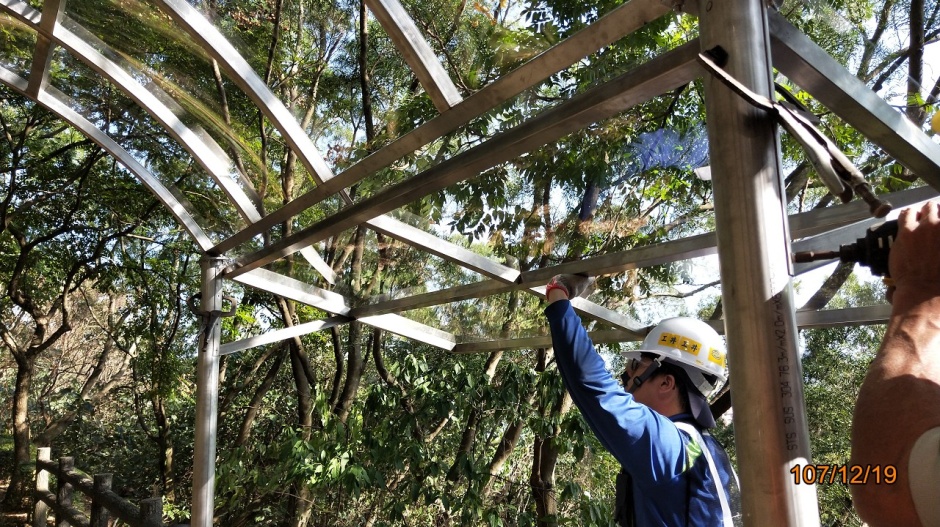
point(900, 398)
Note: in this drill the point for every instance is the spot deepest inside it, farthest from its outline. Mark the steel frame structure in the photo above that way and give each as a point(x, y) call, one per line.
point(761, 319)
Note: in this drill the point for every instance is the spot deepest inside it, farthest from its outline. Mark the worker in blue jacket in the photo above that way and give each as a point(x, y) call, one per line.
point(673, 472)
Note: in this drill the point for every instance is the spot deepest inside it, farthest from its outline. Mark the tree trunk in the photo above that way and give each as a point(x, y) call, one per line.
point(340, 366)
point(18, 493)
point(545, 456)
point(355, 361)
point(364, 80)
point(830, 287)
point(166, 447)
point(506, 445)
point(354, 369)
point(302, 498)
point(256, 400)
point(543, 481)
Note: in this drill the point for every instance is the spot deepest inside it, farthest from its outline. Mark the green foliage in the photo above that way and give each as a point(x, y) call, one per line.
point(399, 456)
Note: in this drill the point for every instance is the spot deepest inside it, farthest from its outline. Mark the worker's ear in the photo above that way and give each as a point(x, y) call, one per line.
point(667, 382)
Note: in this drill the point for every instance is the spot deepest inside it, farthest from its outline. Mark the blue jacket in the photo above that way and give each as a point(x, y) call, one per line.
point(672, 482)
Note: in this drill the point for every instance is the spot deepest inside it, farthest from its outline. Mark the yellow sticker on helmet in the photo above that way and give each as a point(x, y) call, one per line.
point(714, 355)
point(681, 343)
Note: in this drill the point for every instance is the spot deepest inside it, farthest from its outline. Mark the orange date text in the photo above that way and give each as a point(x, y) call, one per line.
point(819, 473)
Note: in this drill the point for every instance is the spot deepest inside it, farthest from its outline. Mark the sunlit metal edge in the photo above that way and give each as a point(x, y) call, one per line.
point(295, 290)
point(605, 315)
point(650, 79)
point(331, 302)
point(42, 57)
point(381, 304)
point(205, 150)
point(207, 157)
point(442, 248)
point(856, 316)
point(213, 42)
point(281, 334)
point(416, 52)
point(810, 67)
point(597, 337)
point(819, 221)
point(56, 106)
point(408, 328)
point(621, 21)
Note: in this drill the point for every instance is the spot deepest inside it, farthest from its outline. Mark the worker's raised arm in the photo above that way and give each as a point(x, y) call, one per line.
point(637, 436)
point(896, 424)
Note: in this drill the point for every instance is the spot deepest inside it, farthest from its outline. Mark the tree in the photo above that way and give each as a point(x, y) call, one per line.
point(64, 208)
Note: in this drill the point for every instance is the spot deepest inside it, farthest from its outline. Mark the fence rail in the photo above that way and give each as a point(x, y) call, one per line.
point(104, 501)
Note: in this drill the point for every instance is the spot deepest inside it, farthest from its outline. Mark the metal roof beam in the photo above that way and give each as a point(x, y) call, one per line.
point(597, 337)
point(416, 52)
point(331, 302)
point(443, 248)
point(42, 57)
point(819, 221)
point(655, 77)
point(855, 316)
point(622, 21)
point(810, 67)
point(54, 104)
point(281, 334)
point(844, 222)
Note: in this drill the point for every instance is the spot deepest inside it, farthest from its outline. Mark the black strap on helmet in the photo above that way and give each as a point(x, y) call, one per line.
point(650, 370)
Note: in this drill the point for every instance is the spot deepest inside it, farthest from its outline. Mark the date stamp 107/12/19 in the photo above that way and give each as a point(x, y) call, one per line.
point(844, 474)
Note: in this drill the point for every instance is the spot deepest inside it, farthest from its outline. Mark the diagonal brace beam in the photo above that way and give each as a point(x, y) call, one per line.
point(809, 66)
point(336, 303)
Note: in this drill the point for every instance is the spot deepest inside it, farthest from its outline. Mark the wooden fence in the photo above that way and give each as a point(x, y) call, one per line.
point(104, 502)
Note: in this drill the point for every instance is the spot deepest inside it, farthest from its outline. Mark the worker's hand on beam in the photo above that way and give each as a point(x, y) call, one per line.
point(573, 285)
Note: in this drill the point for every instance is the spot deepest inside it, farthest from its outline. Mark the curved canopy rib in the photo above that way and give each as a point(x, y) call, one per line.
point(52, 103)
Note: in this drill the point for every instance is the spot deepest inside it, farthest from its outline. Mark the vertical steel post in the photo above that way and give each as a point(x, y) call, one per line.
point(207, 393)
point(753, 248)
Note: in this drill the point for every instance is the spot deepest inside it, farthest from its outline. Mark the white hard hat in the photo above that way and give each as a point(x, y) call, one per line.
point(692, 345)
